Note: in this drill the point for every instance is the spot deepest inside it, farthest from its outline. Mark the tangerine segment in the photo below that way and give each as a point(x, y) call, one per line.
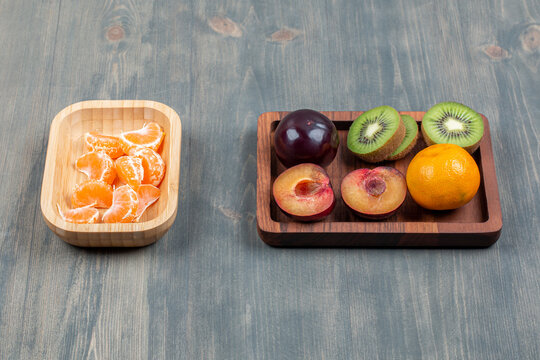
point(97, 165)
point(83, 215)
point(130, 170)
point(150, 136)
point(95, 193)
point(109, 144)
point(153, 164)
point(148, 194)
point(124, 206)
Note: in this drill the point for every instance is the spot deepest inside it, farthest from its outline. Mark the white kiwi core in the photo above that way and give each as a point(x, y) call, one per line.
point(452, 124)
point(372, 129)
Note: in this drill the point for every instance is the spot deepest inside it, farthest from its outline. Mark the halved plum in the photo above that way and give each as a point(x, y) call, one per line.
point(374, 194)
point(304, 192)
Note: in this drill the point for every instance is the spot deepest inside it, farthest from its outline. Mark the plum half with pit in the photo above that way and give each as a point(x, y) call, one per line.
point(304, 192)
point(374, 194)
point(306, 136)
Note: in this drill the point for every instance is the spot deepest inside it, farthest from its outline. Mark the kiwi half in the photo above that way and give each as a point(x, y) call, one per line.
point(375, 134)
point(408, 143)
point(453, 123)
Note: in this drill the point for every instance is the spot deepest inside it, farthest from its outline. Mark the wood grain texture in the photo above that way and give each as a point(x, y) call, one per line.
point(477, 224)
point(210, 289)
point(60, 177)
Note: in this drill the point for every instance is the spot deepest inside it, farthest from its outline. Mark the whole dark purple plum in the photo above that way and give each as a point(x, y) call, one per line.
point(306, 136)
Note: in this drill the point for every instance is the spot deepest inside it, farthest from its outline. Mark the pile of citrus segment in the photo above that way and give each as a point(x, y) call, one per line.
point(124, 173)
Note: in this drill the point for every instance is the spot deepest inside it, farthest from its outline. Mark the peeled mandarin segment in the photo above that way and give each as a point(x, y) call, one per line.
point(150, 136)
point(130, 170)
point(124, 206)
point(94, 193)
point(109, 144)
point(82, 215)
point(153, 164)
point(97, 165)
point(147, 194)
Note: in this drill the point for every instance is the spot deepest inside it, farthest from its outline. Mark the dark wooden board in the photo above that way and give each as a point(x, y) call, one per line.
point(477, 224)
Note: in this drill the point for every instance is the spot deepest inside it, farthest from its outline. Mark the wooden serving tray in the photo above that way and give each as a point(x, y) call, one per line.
point(477, 224)
point(60, 176)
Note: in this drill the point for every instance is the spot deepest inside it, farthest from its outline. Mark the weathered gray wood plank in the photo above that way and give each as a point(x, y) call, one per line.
point(210, 288)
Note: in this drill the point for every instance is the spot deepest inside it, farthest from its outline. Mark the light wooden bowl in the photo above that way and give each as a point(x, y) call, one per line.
point(66, 144)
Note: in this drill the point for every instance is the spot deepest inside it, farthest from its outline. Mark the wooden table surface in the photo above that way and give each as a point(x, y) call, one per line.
point(211, 289)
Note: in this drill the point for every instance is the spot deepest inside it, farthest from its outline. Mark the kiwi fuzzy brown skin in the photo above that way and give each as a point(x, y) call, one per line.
point(405, 151)
point(429, 142)
point(388, 148)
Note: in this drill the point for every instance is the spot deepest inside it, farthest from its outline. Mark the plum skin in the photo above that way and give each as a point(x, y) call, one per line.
point(306, 136)
point(376, 216)
point(315, 217)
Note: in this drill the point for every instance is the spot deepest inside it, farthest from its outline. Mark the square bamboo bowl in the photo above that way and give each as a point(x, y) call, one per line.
point(477, 224)
point(66, 144)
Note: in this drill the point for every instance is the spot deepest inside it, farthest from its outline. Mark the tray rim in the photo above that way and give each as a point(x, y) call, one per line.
point(492, 225)
point(161, 222)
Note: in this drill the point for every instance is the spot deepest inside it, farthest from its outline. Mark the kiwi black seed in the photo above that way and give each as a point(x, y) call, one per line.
point(408, 143)
point(375, 134)
point(453, 123)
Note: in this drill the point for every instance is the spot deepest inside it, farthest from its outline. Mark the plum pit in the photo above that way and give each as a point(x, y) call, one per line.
point(307, 188)
point(375, 186)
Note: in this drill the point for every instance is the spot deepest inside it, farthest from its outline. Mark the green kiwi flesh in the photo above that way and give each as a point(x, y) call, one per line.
point(453, 123)
point(375, 134)
point(408, 143)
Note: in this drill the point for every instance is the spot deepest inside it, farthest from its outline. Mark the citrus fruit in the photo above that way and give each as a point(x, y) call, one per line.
point(443, 177)
point(150, 136)
point(97, 165)
point(124, 206)
point(83, 215)
point(147, 194)
point(153, 165)
point(109, 144)
point(95, 193)
point(130, 170)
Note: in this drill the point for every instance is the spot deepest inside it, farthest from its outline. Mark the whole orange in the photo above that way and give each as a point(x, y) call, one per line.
point(443, 177)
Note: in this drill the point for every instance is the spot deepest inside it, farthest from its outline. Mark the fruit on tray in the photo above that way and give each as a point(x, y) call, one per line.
point(376, 134)
point(453, 123)
point(306, 136)
point(153, 165)
point(408, 143)
point(443, 177)
point(97, 165)
point(374, 194)
point(109, 144)
point(94, 193)
point(130, 170)
point(150, 136)
point(83, 215)
point(124, 206)
point(304, 192)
